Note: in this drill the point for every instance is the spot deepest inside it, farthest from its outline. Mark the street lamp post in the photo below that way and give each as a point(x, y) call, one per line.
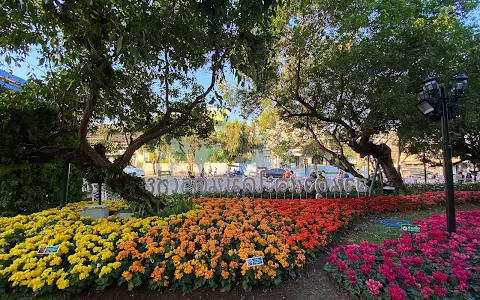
point(436, 103)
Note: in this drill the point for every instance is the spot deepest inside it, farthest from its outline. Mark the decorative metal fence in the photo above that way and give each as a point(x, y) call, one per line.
point(246, 186)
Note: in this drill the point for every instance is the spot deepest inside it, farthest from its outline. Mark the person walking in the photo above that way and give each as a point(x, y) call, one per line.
point(460, 177)
point(210, 170)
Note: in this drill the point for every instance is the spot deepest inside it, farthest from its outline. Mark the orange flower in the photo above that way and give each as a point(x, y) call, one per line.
point(209, 274)
point(225, 274)
point(137, 267)
point(127, 275)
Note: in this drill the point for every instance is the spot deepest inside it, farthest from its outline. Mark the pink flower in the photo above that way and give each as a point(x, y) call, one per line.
point(422, 278)
point(368, 258)
point(462, 275)
point(396, 292)
point(332, 258)
point(386, 271)
point(374, 286)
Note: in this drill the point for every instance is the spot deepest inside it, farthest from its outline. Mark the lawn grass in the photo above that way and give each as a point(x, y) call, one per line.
point(370, 231)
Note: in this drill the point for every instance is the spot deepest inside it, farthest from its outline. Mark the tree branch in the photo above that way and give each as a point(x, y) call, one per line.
point(82, 134)
point(167, 73)
point(167, 123)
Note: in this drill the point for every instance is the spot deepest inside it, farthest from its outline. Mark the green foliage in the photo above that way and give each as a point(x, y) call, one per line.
point(351, 70)
point(36, 188)
point(138, 60)
point(422, 188)
point(237, 141)
point(28, 187)
point(174, 204)
point(218, 156)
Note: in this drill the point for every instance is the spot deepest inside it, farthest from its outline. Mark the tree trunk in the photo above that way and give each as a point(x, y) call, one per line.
point(384, 154)
point(346, 166)
point(129, 187)
point(393, 177)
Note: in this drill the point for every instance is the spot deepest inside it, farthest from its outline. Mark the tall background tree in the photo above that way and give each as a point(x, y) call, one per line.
point(133, 63)
point(237, 141)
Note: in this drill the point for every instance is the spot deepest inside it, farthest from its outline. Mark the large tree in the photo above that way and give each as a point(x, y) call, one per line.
point(352, 68)
point(133, 63)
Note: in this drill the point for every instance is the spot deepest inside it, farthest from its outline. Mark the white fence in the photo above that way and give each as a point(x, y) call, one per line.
point(274, 187)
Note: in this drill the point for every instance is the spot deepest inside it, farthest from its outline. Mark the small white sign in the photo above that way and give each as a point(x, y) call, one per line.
point(255, 261)
point(48, 250)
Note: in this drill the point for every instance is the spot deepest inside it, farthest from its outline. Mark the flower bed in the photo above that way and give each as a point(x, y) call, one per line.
point(441, 266)
point(204, 247)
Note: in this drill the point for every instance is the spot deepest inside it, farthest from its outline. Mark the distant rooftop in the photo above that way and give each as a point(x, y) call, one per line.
point(10, 81)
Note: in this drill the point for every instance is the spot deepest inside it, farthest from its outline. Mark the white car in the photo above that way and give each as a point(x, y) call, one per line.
point(134, 171)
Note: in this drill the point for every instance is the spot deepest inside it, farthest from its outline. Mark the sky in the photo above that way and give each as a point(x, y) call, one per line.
point(29, 69)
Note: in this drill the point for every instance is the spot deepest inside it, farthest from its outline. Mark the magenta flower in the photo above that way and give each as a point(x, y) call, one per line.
point(341, 265)
point(396, 292)
point(440, 277)
point(427, 291)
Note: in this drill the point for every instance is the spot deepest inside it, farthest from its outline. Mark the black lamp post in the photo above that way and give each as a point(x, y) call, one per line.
point(436, 103)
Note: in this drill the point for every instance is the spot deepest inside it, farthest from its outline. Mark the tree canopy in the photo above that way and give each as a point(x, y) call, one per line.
point(237, 141)
point(351, 69)
point(134, 64)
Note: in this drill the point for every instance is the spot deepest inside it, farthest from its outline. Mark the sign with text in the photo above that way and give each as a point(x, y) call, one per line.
point(48, 250)
point(255, 261)
point(411, 228)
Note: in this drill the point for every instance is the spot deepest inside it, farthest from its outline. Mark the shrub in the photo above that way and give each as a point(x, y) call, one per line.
point(35, 188)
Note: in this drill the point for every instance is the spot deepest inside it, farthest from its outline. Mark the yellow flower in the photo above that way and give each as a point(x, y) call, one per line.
point(56, 261)
point(105, 270)
point(62, 283)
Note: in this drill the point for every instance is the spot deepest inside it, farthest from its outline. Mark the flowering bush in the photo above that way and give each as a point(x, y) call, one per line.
point(87, 247)
point(212, 247)
point(207, 246)
point(441, 265)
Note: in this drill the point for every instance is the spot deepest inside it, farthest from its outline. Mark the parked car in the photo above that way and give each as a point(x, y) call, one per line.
point(134, 171)
point(235, 173)
point(275, 173)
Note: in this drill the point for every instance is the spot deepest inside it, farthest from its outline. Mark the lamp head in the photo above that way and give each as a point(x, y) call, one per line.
point(431, 85)
point(459, 86)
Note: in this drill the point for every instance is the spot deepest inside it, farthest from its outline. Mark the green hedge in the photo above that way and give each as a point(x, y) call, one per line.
point(421, 188)
point(35, 188)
